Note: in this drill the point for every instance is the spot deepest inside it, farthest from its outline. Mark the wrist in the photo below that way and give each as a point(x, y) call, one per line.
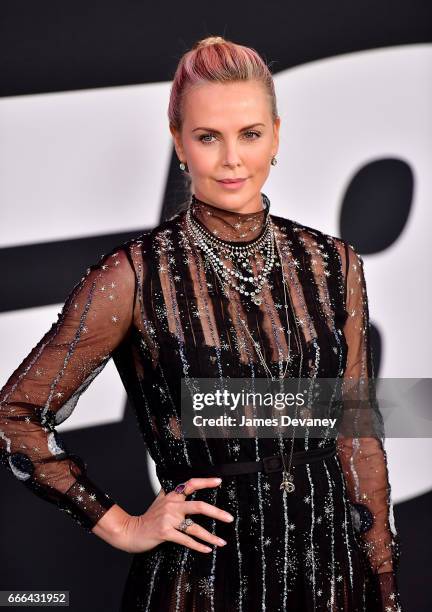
point(112, 527)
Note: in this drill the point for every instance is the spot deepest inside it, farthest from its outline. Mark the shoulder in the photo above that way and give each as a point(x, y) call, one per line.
point(134, 252)
point(311, 237)
point(148, 239)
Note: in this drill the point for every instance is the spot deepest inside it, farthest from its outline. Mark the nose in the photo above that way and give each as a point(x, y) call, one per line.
point(231, 155)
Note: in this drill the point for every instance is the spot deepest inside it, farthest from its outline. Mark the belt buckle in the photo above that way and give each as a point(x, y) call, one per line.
point(272, 464)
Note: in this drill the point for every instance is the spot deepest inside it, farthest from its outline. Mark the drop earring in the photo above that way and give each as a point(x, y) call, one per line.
point(273, 161)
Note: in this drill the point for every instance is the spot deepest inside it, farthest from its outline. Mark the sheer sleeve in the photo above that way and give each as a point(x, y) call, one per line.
point(44, 389)
point(363, 456)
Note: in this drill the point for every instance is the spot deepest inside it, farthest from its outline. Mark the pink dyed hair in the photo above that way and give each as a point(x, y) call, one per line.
point(214, 59)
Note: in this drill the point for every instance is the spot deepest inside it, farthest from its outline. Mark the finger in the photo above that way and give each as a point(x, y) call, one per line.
point(181, 538)
point(195, 484)
point(202, 507)
point(199, 532)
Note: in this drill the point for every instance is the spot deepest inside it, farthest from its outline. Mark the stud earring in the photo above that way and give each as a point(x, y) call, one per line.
point(273, 161)
point(182, 166)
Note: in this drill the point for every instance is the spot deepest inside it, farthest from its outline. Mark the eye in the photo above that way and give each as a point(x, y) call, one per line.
point(257, 134)
point(201, 138)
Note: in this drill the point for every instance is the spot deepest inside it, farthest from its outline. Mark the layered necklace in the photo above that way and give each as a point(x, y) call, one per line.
point(239, 275)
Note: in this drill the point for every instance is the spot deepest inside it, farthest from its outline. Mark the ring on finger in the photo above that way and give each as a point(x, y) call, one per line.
point(180, 488)
point(186, 522)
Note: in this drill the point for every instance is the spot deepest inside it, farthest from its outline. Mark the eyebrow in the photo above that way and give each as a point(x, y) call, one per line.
point(217, 132)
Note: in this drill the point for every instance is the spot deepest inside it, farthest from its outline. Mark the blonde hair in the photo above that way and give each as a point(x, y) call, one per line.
point(215, 59)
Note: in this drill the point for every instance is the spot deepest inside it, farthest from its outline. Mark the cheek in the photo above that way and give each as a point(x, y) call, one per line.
point(202, 160)
point(258, 155)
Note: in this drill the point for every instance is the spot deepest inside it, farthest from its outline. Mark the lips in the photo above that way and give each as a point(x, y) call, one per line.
point(239, 180)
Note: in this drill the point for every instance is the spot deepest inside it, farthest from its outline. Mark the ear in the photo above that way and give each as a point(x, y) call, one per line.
point(177, 143)
point(276, 127)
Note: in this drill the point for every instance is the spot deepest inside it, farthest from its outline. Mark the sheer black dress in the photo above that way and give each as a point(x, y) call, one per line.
point(156, 307)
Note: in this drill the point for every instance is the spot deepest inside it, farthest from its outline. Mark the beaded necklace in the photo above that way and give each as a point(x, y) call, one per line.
point(239, 256)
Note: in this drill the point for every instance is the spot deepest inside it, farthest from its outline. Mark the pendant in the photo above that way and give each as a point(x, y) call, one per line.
point(287, 483)
point(256, 300)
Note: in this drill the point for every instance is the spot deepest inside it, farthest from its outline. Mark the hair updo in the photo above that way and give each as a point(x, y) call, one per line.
point(217, 60)
point(210, 40)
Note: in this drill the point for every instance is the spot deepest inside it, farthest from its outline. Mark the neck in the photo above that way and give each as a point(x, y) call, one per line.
point(230, 225)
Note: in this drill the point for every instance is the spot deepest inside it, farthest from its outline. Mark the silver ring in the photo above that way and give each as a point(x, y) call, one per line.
point(186, 522)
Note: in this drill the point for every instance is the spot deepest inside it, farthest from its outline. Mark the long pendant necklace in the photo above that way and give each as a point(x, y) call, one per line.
point(210, 247)
point(287, 483)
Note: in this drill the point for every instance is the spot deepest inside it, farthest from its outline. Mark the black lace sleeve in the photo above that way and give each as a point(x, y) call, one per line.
point(363, 457)
point(44, 389)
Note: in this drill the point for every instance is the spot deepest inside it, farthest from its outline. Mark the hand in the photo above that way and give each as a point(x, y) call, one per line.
point(159, 523)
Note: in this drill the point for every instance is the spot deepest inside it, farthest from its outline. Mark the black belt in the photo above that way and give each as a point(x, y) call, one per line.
point(267, 465)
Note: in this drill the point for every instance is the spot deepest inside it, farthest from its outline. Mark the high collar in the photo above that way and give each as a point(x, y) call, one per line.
point(229, 225)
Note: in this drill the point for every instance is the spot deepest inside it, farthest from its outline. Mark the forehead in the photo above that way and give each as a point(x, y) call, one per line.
point(225, 104)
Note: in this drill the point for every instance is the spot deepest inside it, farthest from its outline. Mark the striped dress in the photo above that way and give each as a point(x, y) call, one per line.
point(156, 306)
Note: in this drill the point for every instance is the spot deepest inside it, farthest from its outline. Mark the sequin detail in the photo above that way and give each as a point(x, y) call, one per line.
point(154, 306)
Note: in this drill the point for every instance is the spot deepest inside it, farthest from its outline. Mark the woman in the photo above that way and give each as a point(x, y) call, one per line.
point(222, 288)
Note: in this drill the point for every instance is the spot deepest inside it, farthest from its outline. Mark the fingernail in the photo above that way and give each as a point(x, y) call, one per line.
point(230, 517)
point(221, 542)
point(207, 549)
point(218, 480)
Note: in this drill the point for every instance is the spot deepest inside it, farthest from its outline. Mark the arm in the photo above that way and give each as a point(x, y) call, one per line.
point(363, 458)
point(44, 389)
